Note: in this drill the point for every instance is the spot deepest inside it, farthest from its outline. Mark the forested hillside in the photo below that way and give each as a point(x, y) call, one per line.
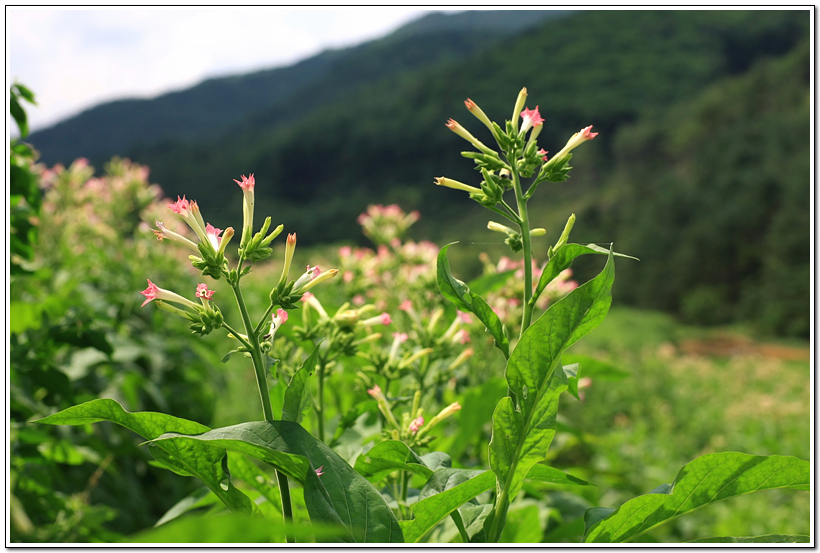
point(701, 168)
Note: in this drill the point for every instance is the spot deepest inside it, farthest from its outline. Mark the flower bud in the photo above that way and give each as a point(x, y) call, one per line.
point(565, 235)
point(538, 232)
point(519, 104)
point(317, 280)
point(462, 357)
point(479, 114)
point(450, 183)
point(454, 126)
point(247, 184)
point(290, 248)
point(226, 238)
point(575, 140)
point(497, 227)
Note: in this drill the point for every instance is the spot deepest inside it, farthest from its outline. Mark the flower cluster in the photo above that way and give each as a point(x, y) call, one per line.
point(386, 224)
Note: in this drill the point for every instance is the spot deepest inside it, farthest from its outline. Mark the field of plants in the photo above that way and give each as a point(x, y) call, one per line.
point(173, 382)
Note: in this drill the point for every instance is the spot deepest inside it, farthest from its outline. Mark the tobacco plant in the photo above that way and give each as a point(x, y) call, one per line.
point(419, 487)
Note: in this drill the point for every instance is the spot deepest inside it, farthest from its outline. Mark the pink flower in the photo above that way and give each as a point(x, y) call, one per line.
point(315, 270)
point(587, 134)
point(358, 299)
point(464, 336)
point(320, 471)
point(345, 251)
point(181, 206)
point(348, 276)
point(543, 152)
point(400, 336)
point(375, 391)
point(306, 296)
point(150, 293)
point(531, 119)
point(416, 424)
point(464, 317)
point(247, 183)
point(213, 235)
point(406, 305)
point(283, 315)
point(385, 319)
point(203, 292)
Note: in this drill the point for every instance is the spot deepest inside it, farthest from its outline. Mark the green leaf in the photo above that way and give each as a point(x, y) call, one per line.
point(231, 529)
point(768, 538)
point(340, 495)
point(705, 480)
point(485, 284)
point(472, 518)
point(543, 473)
point(573, 374)
point(562, 259)
point(207, 463)
point(431, 510)
point(200, 497)
point(459, 294)
point(593, 368)
point(525, 423)
point(297, 396)
point(255, 477)
point(523, 526)
point(388, 456)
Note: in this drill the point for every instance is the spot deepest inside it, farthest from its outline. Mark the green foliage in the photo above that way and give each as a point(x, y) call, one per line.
point(705, 480)
point(769, 538)
point(339, 496)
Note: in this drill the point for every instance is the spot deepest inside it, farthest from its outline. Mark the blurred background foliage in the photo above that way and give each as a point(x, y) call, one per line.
point(701, 171)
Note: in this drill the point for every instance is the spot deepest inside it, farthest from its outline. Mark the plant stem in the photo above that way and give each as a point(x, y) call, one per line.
point(262, 383)
point(321, 408)
point(526, 240)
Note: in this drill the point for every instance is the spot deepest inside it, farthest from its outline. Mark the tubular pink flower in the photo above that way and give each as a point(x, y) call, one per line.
point(306, 296)
point(247, 183)
point(464, 317)
point(454, 126)
point(203, 292)
point(385, 319)
point(375, 392)
point(543, 152)
point(162, 232)
point(406, 305)
point(416, 424)
point(181, 206)
point(213, 235)
point(320, 471)
point(345, 251)
point(479, 114)
point(575, 140)
point(400, 336)
point(283, 316)
point(154, 292)
point(531, 119)
point(277, 320)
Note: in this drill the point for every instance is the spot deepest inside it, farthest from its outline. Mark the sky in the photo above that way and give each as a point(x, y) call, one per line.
point(73, 58)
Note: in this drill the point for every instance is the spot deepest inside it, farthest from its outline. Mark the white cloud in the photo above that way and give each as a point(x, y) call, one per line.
point(75, 58)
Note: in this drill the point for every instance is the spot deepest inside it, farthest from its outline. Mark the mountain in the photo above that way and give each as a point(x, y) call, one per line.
point(697, 112)
point(206, 110)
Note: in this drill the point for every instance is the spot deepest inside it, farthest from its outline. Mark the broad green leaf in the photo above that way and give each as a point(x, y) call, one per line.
point(388, 456)
point(472, 517)
point(434, 508)
point(485, 284)
point(297, 396)
point(768, 538)
point(543, 473)
point(255, 477)
point(562, 259)
point(705, 480)
point(525, 423)
point(459, 294)
point(339, 495)
point(523, 526)
point(207, 463)
point(437, 460)
point(445, 479)
point(231, 529)
point(200, 497)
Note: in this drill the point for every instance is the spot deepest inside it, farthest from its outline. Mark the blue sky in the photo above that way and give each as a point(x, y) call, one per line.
point(75, 58)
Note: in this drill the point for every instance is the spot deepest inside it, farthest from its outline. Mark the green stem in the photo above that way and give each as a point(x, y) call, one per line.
point(236, 335)
point(262, 383)
point(264, 318)
point(321, 407)
point(526, 240)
